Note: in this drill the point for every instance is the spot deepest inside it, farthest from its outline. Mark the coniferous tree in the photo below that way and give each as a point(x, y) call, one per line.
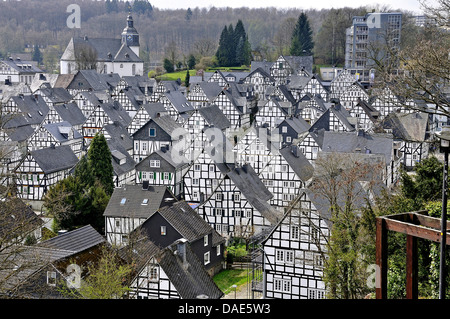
point(187, 78)
point(222, 54)
point(99, 157)
point(302, 43)
point(234, 47)
point(37, 55)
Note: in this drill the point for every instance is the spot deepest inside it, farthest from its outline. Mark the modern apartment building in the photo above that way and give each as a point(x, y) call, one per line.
point(367, 39)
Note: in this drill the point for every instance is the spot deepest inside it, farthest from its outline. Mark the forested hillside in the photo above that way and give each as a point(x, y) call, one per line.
point(182, 32)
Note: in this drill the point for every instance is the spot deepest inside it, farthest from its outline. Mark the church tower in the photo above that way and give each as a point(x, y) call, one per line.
point(130, 36)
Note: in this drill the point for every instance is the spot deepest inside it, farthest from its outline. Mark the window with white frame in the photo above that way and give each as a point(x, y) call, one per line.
point(282, 285)
point(155, 163)
point(163, 231)
point(316, 294)
point(51, 278)
point(284, 256)
point(205, 240)
point(295, 232)
point(206, 258)
point(153, 273)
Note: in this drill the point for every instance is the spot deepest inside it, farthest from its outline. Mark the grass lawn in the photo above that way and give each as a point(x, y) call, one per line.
point(226, 278)
point(182, 74)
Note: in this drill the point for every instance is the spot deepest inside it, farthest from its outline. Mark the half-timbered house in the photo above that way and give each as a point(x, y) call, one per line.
point(311, 107)
point(340, 83)
point(146, 112)
point(239, 205)
point(177, 105)
point(260, 80)
point(203, 93)
point(293, 253)
point(291, 129)
point(129, 206)
point(301, 85)
point(172, 272)
point(272, 111)
point(57, 134)
point(158, 132)
point(352, 94)
point(103, 114)
point(161, 167)
point(411, 130)
point(180, 221)
point(41, 169)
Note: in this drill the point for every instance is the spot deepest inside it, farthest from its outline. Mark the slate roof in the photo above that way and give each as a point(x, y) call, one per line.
point(256, 193)
point(214, 116)
point(190, 279)
point(54, 159)
point(116, 112)
point(58, 129)
point(23, 67)
point(90, 80)
point(17, 218)
point(179, 101)
point(210, 89)
point(154, 109)
point(71, 113)
point(133, 207)
point(33, 107)
point(188, 275)
point(56, 95)
point(186, 221)
point(298, 162)
point(76, 241)
point(410, 127)
point(353, 142)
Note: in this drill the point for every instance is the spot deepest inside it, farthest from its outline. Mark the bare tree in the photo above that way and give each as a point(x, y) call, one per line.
point(86, 58)
point(421, 69)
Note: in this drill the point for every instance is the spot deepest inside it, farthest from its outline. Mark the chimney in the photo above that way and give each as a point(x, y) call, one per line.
point(181, 250)
point(145, 185)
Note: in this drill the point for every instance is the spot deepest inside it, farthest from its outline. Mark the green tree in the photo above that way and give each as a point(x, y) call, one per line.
point(37, 55)
point(191, 61)
point(168, 66)
point(107, 279)
point(426, 184)
point(222, 55)
point(302, 42)
point(100, 162)
point(186, 80)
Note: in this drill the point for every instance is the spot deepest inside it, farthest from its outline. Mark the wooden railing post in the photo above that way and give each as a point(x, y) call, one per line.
point(381, 259)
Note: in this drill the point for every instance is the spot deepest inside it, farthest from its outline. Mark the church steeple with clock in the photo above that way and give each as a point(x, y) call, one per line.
point(130, 36)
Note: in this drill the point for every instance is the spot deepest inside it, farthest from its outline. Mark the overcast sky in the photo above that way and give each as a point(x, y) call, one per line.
point(410, 5)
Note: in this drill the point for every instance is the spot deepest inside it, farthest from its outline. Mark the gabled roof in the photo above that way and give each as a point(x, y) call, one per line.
point(210, 89)
point(214, 116)
point(298, 162)
point(116, 112)
point(188, 223)
point(410, 127)
point(33, 107)
point(60, 130)
point(76, 241)
point(359, 142)
point(23, 67)
point(53, 159)
point(56, 95)
point(128, 201)
point(71, 113)
point(181, 265)
point(88, 80)
point(256, 193)
point(17, 218)
point(179, 101)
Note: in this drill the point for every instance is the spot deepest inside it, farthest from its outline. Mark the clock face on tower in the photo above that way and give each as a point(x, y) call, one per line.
point(129, 38)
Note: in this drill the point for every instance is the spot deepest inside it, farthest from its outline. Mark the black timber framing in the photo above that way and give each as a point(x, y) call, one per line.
point(415, 225)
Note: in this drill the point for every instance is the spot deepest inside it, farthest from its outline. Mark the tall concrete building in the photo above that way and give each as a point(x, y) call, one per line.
point(367, 39)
